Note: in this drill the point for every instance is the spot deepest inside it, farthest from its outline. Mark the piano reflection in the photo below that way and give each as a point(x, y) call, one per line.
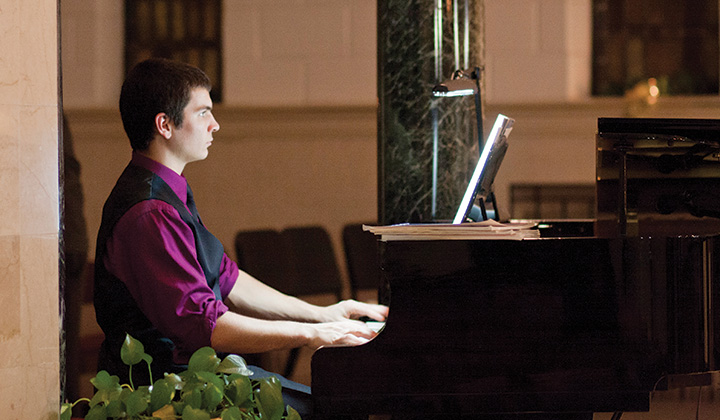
point(565, 326)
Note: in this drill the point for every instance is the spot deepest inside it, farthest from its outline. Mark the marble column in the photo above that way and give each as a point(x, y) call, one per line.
point(427, 147)
point(29, 231)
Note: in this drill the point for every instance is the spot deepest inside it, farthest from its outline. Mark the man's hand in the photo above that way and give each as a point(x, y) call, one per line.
point(352, 309)
point(340, 333)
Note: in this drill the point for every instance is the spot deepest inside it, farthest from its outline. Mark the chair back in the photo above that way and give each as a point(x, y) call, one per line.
point(312, 256)
point(263, 254)
point(361, 254)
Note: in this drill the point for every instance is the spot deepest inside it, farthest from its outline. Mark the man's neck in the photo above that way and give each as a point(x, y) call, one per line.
point(161, 156)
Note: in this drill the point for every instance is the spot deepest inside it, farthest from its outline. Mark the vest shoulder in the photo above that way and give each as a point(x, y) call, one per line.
point(150, 205)
point(137, 184)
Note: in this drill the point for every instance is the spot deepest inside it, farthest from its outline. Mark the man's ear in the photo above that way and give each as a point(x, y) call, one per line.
point(162, 125)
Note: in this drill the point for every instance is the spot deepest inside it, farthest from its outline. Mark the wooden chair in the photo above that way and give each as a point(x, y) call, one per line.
point(361, 256)
point(262, 253)
point(311, 256)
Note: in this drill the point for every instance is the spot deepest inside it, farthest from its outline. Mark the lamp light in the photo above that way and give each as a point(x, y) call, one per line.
point(455, 87)
point(464, 83)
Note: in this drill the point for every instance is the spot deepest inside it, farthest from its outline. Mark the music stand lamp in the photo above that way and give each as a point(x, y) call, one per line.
point(465, 83)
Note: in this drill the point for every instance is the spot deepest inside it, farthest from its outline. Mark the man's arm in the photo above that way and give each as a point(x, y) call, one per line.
point(161, 272)
point(253, 298)
point(263, 319)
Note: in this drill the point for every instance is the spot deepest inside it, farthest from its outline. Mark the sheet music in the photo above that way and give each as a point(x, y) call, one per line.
point(487, 229)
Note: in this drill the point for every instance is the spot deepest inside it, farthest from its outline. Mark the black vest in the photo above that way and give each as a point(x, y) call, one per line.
point(116, 311)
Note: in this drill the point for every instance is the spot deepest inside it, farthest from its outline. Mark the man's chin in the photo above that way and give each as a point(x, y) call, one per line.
point(201, 156)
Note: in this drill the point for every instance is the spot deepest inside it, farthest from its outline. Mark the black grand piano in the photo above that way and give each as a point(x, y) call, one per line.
point(564, 325)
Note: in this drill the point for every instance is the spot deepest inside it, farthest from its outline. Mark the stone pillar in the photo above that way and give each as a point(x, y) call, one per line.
point(29, 233)
point(427, 147)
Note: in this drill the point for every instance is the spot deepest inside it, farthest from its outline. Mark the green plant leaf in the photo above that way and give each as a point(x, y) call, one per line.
point(269, 398)
point(66, 411)
point(132, 351)
point(209, 388)
point(137, 402)
point(190, 413)
point(232, 413)
point(179, 406)
point(98, 399)
point(210, 378)
point(175, 380)
point(234, 364)
point(108, 388)
point(147, 358)
point(193, 384)
point(212, 397)
point(97, 412)
point(292, 414)
point(193, 398)
point(115, 409)
point(204, 359)
point(123, 396)
point(239, 391)
point(104, 381)
point(162, 394)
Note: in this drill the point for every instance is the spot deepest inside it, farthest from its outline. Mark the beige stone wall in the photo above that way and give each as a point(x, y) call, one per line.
point(29, 365)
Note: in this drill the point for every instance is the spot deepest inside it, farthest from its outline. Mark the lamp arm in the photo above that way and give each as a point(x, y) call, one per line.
point(478, 109)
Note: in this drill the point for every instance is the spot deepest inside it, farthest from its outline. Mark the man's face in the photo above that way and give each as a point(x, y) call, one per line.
point(191, 140)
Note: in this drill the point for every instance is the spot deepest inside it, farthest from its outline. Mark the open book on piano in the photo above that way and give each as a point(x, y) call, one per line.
point(487, 229)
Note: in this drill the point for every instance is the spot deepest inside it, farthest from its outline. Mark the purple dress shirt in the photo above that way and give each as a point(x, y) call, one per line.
point(153, 252)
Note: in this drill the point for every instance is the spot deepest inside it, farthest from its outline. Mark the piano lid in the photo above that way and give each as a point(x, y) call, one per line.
point(657, 176)
point(699, 130)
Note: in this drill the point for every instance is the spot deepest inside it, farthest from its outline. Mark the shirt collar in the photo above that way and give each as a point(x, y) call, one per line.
point(178, 183)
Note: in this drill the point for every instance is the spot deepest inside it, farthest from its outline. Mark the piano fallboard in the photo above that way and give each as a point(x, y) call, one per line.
point(552, 325)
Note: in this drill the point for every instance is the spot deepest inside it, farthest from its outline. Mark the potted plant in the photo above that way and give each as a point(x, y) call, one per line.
point(209, 389)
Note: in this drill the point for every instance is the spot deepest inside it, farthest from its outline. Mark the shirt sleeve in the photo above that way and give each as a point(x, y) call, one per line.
point(161, 270)
point(228, 275)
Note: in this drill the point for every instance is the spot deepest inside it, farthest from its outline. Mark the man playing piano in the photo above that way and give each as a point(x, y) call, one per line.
point(161, 276)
